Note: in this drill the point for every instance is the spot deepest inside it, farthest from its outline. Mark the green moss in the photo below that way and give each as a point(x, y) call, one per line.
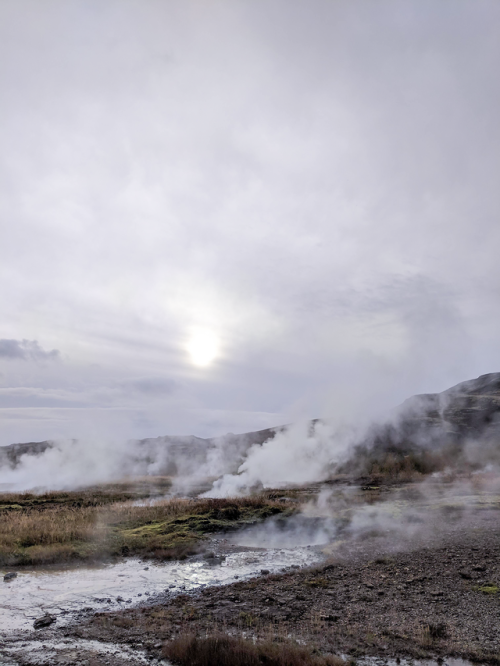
point(489, 588)
point(172, 531)
point(185, 532)
point(319, 581)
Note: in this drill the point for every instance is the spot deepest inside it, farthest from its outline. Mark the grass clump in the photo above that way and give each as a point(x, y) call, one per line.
point(54, 528)
point(488, 588)
point(224, 650)
point(94, 496)
point(318, 581)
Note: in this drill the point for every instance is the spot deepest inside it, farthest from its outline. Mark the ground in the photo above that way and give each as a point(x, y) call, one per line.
point(431, 593)
point(438, 599)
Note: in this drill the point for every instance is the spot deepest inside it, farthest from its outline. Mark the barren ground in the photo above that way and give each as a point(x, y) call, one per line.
point(432, 594)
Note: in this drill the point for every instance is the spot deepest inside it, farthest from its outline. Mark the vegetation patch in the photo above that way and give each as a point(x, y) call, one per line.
point(224, 650)
point(58, 528)
point(488, 588)
point(318, 581)
point(102, 495)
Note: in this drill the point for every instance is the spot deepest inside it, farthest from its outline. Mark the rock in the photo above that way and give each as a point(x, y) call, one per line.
point(10, 576)
point(44, 621)
point(264, 572)
point(120, 599)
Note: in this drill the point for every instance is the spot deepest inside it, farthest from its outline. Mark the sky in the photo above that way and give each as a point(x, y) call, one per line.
point(224, 215)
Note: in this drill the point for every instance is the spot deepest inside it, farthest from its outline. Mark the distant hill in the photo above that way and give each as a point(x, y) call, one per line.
point(172, 455)
point(457, 429)
point(11, 454)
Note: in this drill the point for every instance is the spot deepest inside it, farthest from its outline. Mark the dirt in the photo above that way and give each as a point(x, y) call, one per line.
point(432, 595)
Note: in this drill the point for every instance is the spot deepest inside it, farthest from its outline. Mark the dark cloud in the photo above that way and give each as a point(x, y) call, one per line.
point(26, 350)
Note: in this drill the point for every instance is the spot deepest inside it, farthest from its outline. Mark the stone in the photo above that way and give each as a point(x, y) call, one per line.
point(44, 621)
point(10, 576)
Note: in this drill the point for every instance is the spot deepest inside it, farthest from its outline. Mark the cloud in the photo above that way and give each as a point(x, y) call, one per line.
point(152, 386)
point(26, 350)
point(316, 188)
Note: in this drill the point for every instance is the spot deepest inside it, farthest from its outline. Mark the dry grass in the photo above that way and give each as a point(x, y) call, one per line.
point(50, 530)
point(138, 488)
point(224, 650)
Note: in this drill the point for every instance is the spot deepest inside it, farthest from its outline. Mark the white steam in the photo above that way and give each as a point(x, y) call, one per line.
point(69, 464)
point(232, 464)
point(303, 453)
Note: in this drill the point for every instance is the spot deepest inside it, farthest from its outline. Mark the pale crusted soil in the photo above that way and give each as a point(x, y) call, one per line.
point(436, 597)
point(433, 599)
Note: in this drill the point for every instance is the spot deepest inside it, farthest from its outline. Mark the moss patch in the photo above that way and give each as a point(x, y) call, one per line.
point(54, 529)
point(183, 533)
point(489, 588)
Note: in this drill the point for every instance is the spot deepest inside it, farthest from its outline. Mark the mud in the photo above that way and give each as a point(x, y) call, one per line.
point(435, 596)
point(64, 592)
point(423, 585)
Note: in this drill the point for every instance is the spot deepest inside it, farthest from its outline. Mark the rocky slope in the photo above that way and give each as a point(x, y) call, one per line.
point(457, 429)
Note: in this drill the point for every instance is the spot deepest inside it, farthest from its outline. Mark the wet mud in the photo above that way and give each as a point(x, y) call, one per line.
point(423, 585)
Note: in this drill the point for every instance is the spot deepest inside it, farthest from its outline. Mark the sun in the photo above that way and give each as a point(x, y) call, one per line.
point(203, 348)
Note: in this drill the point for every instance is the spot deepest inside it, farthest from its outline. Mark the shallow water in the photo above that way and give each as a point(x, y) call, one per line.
point(379, 661)
point(62, 592)
point(69, 652)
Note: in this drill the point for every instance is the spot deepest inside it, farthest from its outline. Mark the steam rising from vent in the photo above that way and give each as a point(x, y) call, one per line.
point(68, 464)
point(303, 453)
point(457, 429)
point(233, 464)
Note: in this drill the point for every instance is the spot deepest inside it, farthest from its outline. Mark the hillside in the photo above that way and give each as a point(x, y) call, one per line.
point(457, 429)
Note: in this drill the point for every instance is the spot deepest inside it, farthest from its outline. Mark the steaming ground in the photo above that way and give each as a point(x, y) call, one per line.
point(402, 518)
point(457, 430)
point(400, 571)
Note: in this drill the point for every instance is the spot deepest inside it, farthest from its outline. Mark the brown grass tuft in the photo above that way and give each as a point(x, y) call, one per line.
point(48, 529)
point(224, 650)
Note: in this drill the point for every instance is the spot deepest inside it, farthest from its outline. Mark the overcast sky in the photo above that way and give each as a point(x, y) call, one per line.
point(306, 191)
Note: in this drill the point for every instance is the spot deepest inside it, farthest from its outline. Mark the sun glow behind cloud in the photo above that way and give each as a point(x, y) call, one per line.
point(203, 348)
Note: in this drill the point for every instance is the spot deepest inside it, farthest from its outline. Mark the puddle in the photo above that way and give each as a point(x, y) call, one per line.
point(71, 652)
point(63, 592)
point(379, 661)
